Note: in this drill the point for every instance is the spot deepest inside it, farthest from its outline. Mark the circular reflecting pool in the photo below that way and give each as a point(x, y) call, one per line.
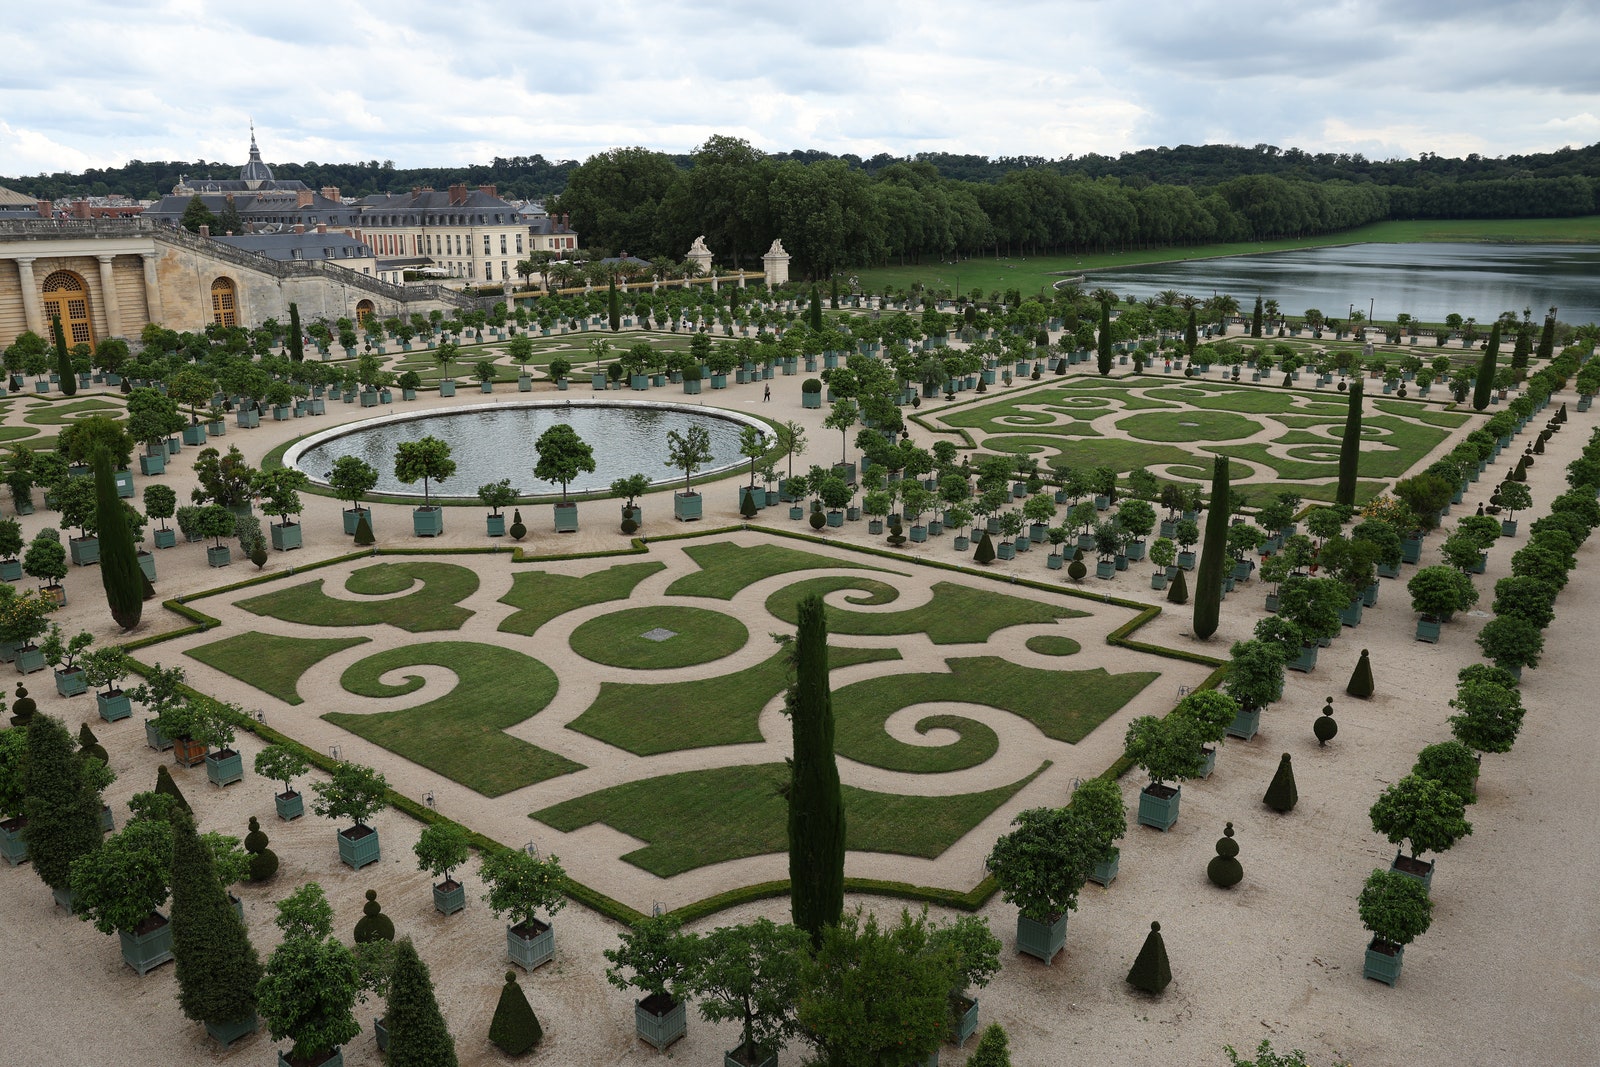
point(493, 441)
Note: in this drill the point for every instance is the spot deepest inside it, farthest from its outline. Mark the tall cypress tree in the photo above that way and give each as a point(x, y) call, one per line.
point(1213, 551)
point(61, 805)
point(1191, 334)
point(1350, 448)
point(217, 967)
point(614, 306)
point(1104, 360)
point(297, 341)
point(69, 379)
point(1491, 351)
point(1547, 336)
point(119, 560)
point(1520, 351)
point(814, 313)
point(418, 1036)
point(816, 804)
point(1255, 319)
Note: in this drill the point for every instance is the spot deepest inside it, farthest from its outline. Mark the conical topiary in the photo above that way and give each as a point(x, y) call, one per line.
point(263, 861)
point(1178, 589)
point(374, 925)
point(418, 1036)
point(1150, 971)
point(1225, 870)
point(1281, 794)
point(89, 744)
point(23, 707)
point(1360, 685)
point(518, 530)
point(364, 531)
point(747, 503)
point(994, 1048)
point(1325, 728)
point(984, 553)
point(515, 1029)
point(165, 784)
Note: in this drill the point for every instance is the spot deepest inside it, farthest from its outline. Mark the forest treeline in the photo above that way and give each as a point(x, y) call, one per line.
point(840, 212)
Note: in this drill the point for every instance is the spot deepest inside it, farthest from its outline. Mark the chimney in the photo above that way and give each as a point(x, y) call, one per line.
point(565, 225)
point(299, 227)
point(458, 195)
point(205, 231)
point(304, 198)
point(486, 190)
point(46, 208)
point(322, 227)
point(331, 192)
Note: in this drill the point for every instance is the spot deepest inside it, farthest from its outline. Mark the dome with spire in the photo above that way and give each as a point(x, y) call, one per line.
point(255, 170)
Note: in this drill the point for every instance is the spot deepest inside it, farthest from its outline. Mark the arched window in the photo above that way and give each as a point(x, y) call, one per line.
point(224, 303)
point(66, 297)
point(364, 311)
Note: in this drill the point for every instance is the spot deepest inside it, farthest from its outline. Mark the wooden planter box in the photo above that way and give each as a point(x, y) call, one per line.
point(660, 1020)
point(1428, 630)
point(146, 951)
point(224, 767)
point(194, 434)
point(447, 388)
point(358, 846)
point(1383, 963)
point(380, 1034)
point(530, 946)
point(147, 564)
point(71, 683)
point(1037, 939)
point(449, 897)
point(285, 536)
point(1159, 809)
point(1208, 761)
point(166, 538)
point(187, 753)
point(290, 806)
point(1306, 662)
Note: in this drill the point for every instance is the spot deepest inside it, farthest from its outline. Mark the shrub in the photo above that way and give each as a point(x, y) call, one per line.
point(1452, 765)
point(515, 1029)
point(373, 925)
point(1394, 907)
point(1422, 813)
point(1225, 870)
point(984, 553)
point(1282, 795)
point(1178, 589)
point(1360, 685)
point(1150, 971)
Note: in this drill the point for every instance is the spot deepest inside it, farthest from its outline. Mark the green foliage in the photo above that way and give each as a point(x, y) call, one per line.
point(750, 974)
point(1213, 555)
point(1177, 589)
point(442, 847)
point(1422, 813)
point(655, 957)
point(373, 925)
point(1350, 448)
point(418, 1036)
point(521, 885)
point(307, 993)
point(1485, 381)
point(1489, 713)
point(1254, 675)
point(269, 662)
point(305, 913)
point(1395, 907)
point(515, 1029)
point(1043, 864)
point(562, 455)
point(816, 806)
point(993, 1048)
point(1211, 713)
point(1360, 685)
point(1151, 972)
point(60, 801)
point(1438, 592)
point(1451, 764)
point(688, 452)
point(984, 553)
point(118, 885)
point(166, 786)
point(540, 596)
point(1282, 795)
point(1225, 871)
point(427, 460)
point(119, 564)
point(1511, 641)
point(217, 967)
point(352, 478)
point(1265, 1057)
point(1168, 749)
point(435, 591)
point(354, 792)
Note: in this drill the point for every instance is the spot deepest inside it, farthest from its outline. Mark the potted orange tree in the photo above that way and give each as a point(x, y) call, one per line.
point(1396, 910)
point(657, 958)
point(520, 886)
point(440, 850)
point(1041, 866)
point(357, 793)
point(1168, 750)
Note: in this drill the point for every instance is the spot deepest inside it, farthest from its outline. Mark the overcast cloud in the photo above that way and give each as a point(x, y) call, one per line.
point(421, 82)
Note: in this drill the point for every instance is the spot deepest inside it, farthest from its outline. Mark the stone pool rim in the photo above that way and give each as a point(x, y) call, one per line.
point(296, 449)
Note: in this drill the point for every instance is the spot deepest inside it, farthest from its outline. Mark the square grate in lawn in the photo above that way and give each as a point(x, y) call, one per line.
point(660, 633)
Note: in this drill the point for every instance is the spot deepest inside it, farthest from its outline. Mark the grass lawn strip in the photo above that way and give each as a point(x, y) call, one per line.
point(697, 818)
point(461, 734)
point(727, 568)
point(1188, 426)
point(699, 636)
point(270, 662)
point(957, 614)
point(1064, 705)
point(649, 719)
point(432, 607)
point(540, 596)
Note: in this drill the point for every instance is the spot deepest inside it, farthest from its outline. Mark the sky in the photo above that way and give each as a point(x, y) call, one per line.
point(421, 82)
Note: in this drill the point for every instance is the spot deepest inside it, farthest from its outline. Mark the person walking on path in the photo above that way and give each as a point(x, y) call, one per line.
point(766, 393)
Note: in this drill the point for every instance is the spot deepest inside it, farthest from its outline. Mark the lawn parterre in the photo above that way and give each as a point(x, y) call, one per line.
point(431, 607)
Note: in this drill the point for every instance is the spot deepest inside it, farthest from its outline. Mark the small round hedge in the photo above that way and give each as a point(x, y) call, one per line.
point(1053, 645)
point(617, 639)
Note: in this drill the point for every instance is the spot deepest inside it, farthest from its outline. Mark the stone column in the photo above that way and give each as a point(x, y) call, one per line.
point(108, 296)
point(31, 308)
point(776, 264)
point(152, 288)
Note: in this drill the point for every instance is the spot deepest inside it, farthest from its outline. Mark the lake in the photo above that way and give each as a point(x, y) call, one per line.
point(1427, 281)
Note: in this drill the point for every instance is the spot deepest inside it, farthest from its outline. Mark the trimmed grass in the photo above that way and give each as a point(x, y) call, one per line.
point(700, 636)
point(697, 818)
point(62, 412)
point(270, 662)
point(726, 569)
point(649, 719)
point(461, 734)
point(1064, 705)
point(1053, 645)
point(957, 614)
point(540, 596)
point(432, 607)
point(1169, 426)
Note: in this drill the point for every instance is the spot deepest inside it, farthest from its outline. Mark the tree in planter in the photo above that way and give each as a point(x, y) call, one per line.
point(688, 452)
point(62, 652)
point(1210, 713)
point(75, 499)
point(975, 953)
point(225, 479)
point(1424, 496)
point(279, 490)
point(160, 502)
point(1423, 814)
point(216, 522)
point(46, 560)
point(1453, 765)
point(497, 495)
point(1439, 592)
point(1395, 909)
point(1168, 750)
point(750, 974)
point(418, 1036)
point(1511, 641)
point(1162, 553)
point(61, 801)
point(657, 958)
point(816, 823)
point(216, 966)
point(1043, 864)
point(309, 987)
point(1489, 715)
point(352, 478)
point(1254, 675)
point(152, 418)
point(1312, 605)
point(844, 414)
point(427, 460)
point(630, 489)
point(280, 763)
point(562, 455)
point(355, 792)
point(119, 885)
point(441, 849)
point(521, 886)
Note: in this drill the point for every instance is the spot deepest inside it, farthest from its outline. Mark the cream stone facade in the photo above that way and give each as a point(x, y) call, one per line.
point(471, 233)
point(109, 278)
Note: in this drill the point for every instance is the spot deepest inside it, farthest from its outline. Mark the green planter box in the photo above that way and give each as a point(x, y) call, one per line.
point(427, 522)
point(1160, 811)
point(149, 466)
point(149, 950)
point(1105, 569)
point(1381, 964)
point(13, 849)
point(485, 387)
point(248, 418)
point(1158, 580)
point(659, 1021)
point(380, 1034)
point(290, 806)
point(1421, 870)
point(495, 525)
point(691, 386)
point(335, 1060)
point(449, 897)
point(29, 659)
point(811, 400)
point(1186, 560)
point(71, 683)
point(114, 707)
point(963, 1019)
point(1039, 940)
point(352, 518)
point(285, 536)
point(219, 428)
point(447, 388)
point(85, 550)
point(166, 538)
point(1245, 724)
point(532, 946)
point(524, 383)
point(1105, 872)
point(566, 518)
point(219, 555)
point(226, 1034)
point(1428, 630)
point(155, 738)
point(11, 570)
point(1242, 569)
point(919, 534)
point(1306, 662)
point(224, 767)
point(358, 846)
point(743, 1056)
point(1369, 596)
point(686, 507)
point(1411, 549)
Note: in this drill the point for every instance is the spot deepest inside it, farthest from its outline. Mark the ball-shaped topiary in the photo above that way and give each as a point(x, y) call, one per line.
point(1282, 795)
point(373, 925)
point(515, 1029)
point(263, 862)
point(23, 707)
point(1360, 685)
point(256, 840)
point(1324, 727)
point(1225, 870)
point(518, 531)
point(630, 527)
point(1150, 971)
